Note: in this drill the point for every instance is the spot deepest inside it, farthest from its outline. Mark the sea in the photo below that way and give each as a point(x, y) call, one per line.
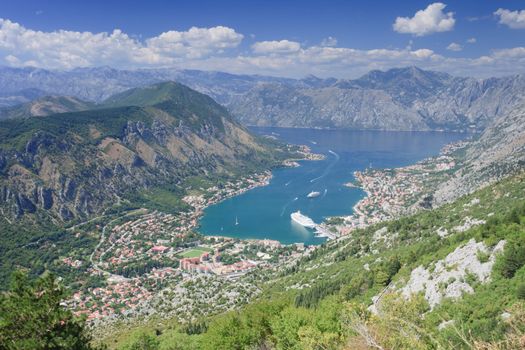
point(264, 212)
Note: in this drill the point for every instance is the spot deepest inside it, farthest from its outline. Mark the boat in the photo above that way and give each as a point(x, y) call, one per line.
point(313, 194)
point(236, 221)
point(302, 220)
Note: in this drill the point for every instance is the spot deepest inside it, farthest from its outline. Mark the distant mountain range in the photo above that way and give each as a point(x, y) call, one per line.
point(398, 99)
point(44, 106)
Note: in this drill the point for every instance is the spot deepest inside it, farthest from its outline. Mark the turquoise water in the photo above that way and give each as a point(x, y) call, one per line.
point(264, 212)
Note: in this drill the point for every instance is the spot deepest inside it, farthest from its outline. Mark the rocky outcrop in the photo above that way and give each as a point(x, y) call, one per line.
point(448, 278)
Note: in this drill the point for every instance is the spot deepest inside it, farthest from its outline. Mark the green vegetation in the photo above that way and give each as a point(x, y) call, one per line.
point(31, 317)
point(321, 303)
point(146, 148)
point(176, 99)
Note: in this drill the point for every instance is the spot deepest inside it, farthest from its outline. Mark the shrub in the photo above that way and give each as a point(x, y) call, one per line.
point(512, 259)
point(521, 291)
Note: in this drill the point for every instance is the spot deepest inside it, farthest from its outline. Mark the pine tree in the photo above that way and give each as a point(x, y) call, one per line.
point(31, 317)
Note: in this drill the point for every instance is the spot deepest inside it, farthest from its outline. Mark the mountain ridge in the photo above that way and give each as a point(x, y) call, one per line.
point(406, 98)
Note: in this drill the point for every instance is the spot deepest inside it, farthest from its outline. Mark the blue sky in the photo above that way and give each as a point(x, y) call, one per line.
point(286, 38)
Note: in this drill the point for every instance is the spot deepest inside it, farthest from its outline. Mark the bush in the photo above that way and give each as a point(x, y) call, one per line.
point(513, 259)
point(521, 291)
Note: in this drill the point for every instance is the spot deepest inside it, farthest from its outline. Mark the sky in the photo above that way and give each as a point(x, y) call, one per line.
point(330, 38)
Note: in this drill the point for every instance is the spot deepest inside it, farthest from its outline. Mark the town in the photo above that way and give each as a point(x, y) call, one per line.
point(391, 193)
point(149, 261)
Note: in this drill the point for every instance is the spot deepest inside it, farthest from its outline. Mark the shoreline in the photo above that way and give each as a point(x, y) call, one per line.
point(394, 192)
point(199, 204)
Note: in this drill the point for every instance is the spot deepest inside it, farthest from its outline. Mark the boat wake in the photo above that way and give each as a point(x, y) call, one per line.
point(287, 204)
point(329, 167)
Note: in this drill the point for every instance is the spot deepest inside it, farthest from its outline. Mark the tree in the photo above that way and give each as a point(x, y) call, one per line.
point(512, 259)
point(31, 317)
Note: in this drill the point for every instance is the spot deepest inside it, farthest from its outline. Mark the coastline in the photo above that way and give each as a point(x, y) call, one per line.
point(392, 193)
point(199, 203)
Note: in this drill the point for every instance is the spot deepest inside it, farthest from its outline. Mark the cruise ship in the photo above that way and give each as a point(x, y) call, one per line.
point(313, 194)
point(302, 220)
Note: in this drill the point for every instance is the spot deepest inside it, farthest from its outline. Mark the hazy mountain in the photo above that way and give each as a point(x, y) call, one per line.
point(11, 98)
point(398, 99)
point(45, 106)
point(75, 165)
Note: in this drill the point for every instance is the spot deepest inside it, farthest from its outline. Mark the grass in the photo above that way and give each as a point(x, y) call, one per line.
point(195, 252)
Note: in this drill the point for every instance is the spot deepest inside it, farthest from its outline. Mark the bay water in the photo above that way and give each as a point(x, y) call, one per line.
point(264, 212)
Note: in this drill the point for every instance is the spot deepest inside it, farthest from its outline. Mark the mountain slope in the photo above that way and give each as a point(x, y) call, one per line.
point(499, 151)
point(76, 165)
point(45, 106)
point(398, 99)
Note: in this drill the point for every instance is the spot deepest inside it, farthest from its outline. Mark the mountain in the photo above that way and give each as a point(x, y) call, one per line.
point(498, 152)
point(398, 99)
point(44, 106)
point(76, 165)
point(97, 84)
point(10, 98)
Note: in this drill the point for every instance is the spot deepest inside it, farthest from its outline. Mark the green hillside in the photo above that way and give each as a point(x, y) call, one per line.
point(321, 303)
point(64, 169)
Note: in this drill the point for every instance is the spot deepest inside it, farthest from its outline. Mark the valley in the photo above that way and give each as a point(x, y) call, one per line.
point(262, 175)
point(141, 206)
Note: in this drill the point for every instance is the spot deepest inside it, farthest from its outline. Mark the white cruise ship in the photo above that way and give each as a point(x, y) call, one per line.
point(302, 220)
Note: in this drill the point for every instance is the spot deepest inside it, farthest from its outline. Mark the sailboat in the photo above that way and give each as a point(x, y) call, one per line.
point(236, 221)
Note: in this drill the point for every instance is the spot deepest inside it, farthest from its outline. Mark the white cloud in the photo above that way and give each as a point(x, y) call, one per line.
point(454, 47)
point(276, 47)
point(513, 19)
point(427, 21)
point(330, 41)
point(67, 49)
point(217, 49)
point(471, 40)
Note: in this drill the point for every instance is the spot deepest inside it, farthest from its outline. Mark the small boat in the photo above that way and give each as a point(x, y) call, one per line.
point(313, 194)
point(236, 221)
